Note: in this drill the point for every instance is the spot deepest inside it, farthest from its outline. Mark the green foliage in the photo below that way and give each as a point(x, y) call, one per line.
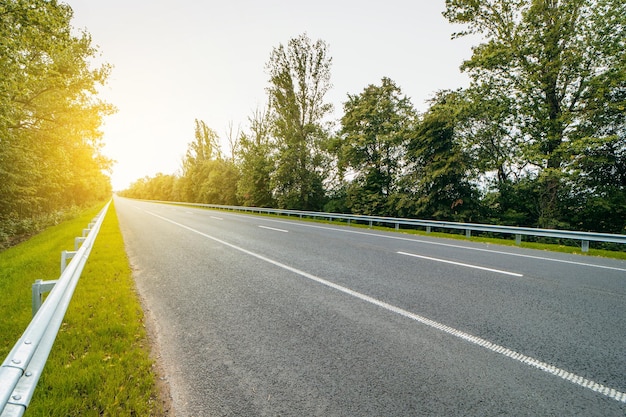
point(215, 182)
point(598, 184)
point(161, 187)
point(376, 128)
point(440, 169)
point(207, 177)
point(558, 66)
point(205, 147)
point(49, 114)
point(256, 163)
point(299, 80)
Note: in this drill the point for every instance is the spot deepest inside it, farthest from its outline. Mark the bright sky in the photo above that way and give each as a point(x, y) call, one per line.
point(178, 61)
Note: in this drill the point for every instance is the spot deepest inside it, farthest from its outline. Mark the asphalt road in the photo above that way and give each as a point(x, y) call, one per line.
point(260, 316)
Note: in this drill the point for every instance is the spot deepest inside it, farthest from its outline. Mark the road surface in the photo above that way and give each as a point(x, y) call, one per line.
point(260, 316)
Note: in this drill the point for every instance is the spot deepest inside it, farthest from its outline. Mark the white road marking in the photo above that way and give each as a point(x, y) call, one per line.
point(274, 229)
point(499, 271)
point(550, 369)
point(216, 218)
point(450, 245)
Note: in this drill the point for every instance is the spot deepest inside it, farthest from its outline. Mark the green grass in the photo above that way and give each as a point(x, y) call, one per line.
point(100, 363)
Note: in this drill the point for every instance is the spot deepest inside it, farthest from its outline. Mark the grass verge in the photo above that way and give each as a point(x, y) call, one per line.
point(99, 364)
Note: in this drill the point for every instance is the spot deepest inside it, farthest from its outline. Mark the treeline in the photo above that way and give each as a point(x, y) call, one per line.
point(50, 157)
point(537, 139)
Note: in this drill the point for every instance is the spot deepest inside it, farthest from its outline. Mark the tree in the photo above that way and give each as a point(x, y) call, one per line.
point(216, 182)
point(438, 177)
point(233, 141)
point(561, 64)
point(207, 176)
point(299, 80)
point(598, 187)
point(376, 127)
point(204, 148)
point(49, 112)
point(255, 163)
point(485, 128)
point(160, 187)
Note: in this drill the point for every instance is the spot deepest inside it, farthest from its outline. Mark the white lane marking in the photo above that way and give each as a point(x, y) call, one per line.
point(546, 367)
point(499, 271)
point(274, 229)
point(450, 245)
point(189, 212)
point(216, 218)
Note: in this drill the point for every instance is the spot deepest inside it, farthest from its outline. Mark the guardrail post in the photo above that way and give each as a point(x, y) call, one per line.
point(429, 229)
point(370, 224)
point(468, 233)
point(397, 226)
point(518, 239)
point(585, 246)
point(39, 289)
point(65, 255)
point(78, 241)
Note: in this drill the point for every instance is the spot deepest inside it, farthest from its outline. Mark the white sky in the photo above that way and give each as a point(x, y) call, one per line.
point(178, 61)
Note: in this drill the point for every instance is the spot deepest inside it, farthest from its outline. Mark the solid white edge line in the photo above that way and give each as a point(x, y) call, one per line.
point(274, 229)
point(515, 274)
point(550, 369)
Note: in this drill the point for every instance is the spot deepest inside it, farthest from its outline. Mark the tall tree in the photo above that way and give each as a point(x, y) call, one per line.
point(207, 176)
point(204, 147)
point(439, 174)
point(376, 127)
point(49, 112)
point(256, 163)
point(201, 151)
point(299, 80)
point(557, 60)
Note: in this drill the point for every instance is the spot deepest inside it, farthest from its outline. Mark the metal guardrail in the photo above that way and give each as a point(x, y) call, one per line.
point(518, 232)
point(23, 366)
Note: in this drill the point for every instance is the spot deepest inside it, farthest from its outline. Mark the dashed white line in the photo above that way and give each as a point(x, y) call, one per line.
point(216, 218)
point(499, 271)
point(274, 229)
point(519, 357)
point(450, 245)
